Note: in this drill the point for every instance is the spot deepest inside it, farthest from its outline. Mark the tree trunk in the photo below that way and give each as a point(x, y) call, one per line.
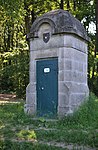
point(5, 46)
point(96, 47)
point(27, 25)
point(27, 18)
point(62, 4)
point(33, 16)
point(8, 39)
point(68, 4)
point(74, 5)
point(12, 36)
point(95, 66)
point(96, 5)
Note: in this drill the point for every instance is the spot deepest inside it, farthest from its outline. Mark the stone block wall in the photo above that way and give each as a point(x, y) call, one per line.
point(72, 71)
point(67, 42)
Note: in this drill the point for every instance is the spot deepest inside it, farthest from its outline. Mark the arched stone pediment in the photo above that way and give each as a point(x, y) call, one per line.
point(37, 24)
point(61, 22)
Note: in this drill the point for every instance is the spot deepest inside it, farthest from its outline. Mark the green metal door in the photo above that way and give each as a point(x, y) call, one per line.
point(47, 87)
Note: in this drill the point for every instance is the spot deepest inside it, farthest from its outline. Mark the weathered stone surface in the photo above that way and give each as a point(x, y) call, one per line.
point(61, 22)
point(75, 43)
point(68, 43)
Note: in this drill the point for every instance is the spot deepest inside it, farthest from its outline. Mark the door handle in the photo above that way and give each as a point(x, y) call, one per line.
point(42, 88)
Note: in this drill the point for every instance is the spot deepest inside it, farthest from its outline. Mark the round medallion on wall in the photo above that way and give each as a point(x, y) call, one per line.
point(46, 37)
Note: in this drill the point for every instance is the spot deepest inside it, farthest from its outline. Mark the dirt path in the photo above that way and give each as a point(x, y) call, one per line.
point(8, 98)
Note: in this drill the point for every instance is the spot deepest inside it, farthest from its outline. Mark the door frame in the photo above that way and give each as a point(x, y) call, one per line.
point(46, 59)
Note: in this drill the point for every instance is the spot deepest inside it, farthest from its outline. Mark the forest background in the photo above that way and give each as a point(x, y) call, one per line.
point(16, 18)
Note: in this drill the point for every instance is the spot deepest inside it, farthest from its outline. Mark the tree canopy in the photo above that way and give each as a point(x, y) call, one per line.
point(15, 21)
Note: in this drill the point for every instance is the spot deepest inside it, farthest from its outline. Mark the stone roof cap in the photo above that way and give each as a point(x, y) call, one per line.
point(61, 21)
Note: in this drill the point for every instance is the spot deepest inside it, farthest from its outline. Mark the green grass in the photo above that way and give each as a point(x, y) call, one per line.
point(8, 145)
point(19, 131)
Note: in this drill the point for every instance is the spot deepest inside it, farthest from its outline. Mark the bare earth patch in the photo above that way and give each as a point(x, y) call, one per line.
point(8, 98)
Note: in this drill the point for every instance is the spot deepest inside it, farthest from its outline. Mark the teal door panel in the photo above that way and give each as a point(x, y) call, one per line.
point(47, 87)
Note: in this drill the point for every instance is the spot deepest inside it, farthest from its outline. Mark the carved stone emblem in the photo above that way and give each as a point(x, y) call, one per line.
point(46, 37)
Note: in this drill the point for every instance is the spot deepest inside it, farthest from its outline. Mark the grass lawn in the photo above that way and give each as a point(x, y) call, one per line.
point(19, 131)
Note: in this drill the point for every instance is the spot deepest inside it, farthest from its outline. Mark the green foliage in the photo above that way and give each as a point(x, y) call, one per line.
point(14, 73)
point(18, 130)
point(8, 145)
point(86, 116)
point(92, 67)
point(88, 112)
point(15, 21)
point(27, 134)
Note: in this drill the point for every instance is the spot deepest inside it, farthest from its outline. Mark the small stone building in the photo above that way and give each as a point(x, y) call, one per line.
point(58, 65)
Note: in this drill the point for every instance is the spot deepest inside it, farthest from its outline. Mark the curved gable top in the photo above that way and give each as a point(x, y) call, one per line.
point(61, 22)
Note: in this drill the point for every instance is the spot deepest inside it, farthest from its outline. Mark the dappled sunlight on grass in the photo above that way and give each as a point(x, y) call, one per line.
point(27, 135)
point(96, 100)
point(7, 102)
point(9, 98)
point(2, 126)
point(81, 128)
